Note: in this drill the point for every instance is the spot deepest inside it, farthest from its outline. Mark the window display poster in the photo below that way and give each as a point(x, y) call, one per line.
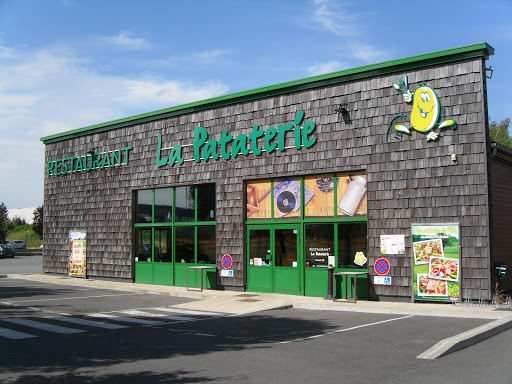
point(436, 262)
point(78, 253)
point(323, 195)
point(259, 200)
point(392, 244)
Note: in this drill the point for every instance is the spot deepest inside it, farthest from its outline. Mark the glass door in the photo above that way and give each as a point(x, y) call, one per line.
point(288, 269)
point(260, 265)
point(274, 259)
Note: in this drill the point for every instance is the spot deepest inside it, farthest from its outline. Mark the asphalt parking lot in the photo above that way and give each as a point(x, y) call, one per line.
point(274, 346)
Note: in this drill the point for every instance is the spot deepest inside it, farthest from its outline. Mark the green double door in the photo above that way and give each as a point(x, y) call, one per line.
point(275, 259)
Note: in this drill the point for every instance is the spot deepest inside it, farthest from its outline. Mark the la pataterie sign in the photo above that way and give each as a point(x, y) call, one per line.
point(205, 148)
point(226, 146)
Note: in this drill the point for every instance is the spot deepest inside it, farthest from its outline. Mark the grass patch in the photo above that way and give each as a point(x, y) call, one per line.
point(24, 232)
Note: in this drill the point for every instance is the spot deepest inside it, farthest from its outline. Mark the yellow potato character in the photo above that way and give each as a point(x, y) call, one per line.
point(425, 114)
point(425, 109)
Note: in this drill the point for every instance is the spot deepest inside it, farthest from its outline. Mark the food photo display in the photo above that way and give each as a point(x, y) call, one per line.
point(424, 250)
point(444, 268)
point(431, 287)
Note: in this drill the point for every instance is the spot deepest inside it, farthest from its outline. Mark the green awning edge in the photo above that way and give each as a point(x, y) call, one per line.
point(412, 62)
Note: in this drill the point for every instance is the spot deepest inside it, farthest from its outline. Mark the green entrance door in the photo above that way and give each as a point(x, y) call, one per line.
point(275, 259)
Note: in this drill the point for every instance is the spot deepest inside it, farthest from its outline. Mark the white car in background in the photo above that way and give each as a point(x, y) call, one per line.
point(18, 244)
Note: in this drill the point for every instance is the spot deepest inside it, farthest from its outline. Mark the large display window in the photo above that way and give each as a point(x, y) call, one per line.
point(340, 195)
point(323, 216)
point(174, 228)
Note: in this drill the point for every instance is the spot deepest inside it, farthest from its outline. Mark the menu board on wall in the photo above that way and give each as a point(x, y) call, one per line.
point(78, 254)
point(392, 244)
point(436, 262)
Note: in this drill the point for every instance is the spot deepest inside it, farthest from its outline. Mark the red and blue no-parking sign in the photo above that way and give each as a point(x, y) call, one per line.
point(382, 266)
point(227, 261)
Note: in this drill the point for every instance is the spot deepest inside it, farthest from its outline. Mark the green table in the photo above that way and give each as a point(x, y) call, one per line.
point(347, 275)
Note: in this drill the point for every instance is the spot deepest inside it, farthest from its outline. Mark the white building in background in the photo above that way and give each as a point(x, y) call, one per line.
point(26, 214)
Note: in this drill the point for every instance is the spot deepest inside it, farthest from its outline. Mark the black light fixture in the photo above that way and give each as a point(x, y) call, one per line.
point(488, 72)
point(92, 151)
point(343, 108)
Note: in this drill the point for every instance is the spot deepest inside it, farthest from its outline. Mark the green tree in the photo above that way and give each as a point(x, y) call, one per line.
point(499, 132)
point(4, 222)
point(37, 226)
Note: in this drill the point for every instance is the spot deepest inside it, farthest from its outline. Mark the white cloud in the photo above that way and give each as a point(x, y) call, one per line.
point(126, 41)
point(210, 57)
point(170, 92)
point(332, 18)
point(330, 66)
point(368, 53)
point(51, 91)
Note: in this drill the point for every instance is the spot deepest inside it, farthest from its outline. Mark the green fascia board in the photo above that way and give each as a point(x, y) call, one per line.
point(413, 62)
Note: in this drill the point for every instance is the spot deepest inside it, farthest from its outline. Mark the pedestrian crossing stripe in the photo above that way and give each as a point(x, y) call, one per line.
point(113, 320)
point(44, 326)
point(10, 334)
point(89, 323)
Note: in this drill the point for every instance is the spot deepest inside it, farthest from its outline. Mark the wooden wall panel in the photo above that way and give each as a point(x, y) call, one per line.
point(409, 180)
point(501, 198)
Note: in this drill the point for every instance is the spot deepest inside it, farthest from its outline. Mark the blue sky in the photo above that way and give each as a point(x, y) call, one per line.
point(66, 64)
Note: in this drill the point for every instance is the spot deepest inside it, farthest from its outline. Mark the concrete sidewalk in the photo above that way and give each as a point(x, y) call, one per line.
point(239, 303)
point(246, 302)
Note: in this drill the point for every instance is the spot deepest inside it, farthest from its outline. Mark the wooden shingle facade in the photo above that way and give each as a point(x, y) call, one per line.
point(409, 180)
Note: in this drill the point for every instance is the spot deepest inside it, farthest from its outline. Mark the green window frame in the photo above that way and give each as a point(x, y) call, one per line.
point(339, 219)
point(189, 209)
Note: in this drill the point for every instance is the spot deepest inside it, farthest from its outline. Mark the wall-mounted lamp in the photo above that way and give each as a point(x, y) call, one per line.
point(488, 72)
point(343, 108)
point(92, 151)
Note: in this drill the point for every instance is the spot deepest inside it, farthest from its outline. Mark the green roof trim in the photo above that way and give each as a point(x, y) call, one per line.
point(407, 63)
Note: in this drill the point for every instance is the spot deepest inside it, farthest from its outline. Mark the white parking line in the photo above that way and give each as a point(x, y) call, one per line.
point(73, 298)
point(188, 311)
point(134, 312)
point(344, 330)
point(125, 319)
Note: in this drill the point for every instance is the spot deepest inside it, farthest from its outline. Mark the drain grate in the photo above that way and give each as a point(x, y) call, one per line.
point(246, 295)
point(249, 300)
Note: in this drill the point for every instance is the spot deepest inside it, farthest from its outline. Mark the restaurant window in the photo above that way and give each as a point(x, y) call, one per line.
point(287, 198)
point(206, 202)
point(163, 205)
point(185, 241)
point(324, 196)
point(259, 204)
point(321, 190)
point(319, 245)
point(352, 238)
point(163, 245)
point(206, 245)
point(185, 215)
point(143, 206)
point(185, 204)
point(143, 245)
